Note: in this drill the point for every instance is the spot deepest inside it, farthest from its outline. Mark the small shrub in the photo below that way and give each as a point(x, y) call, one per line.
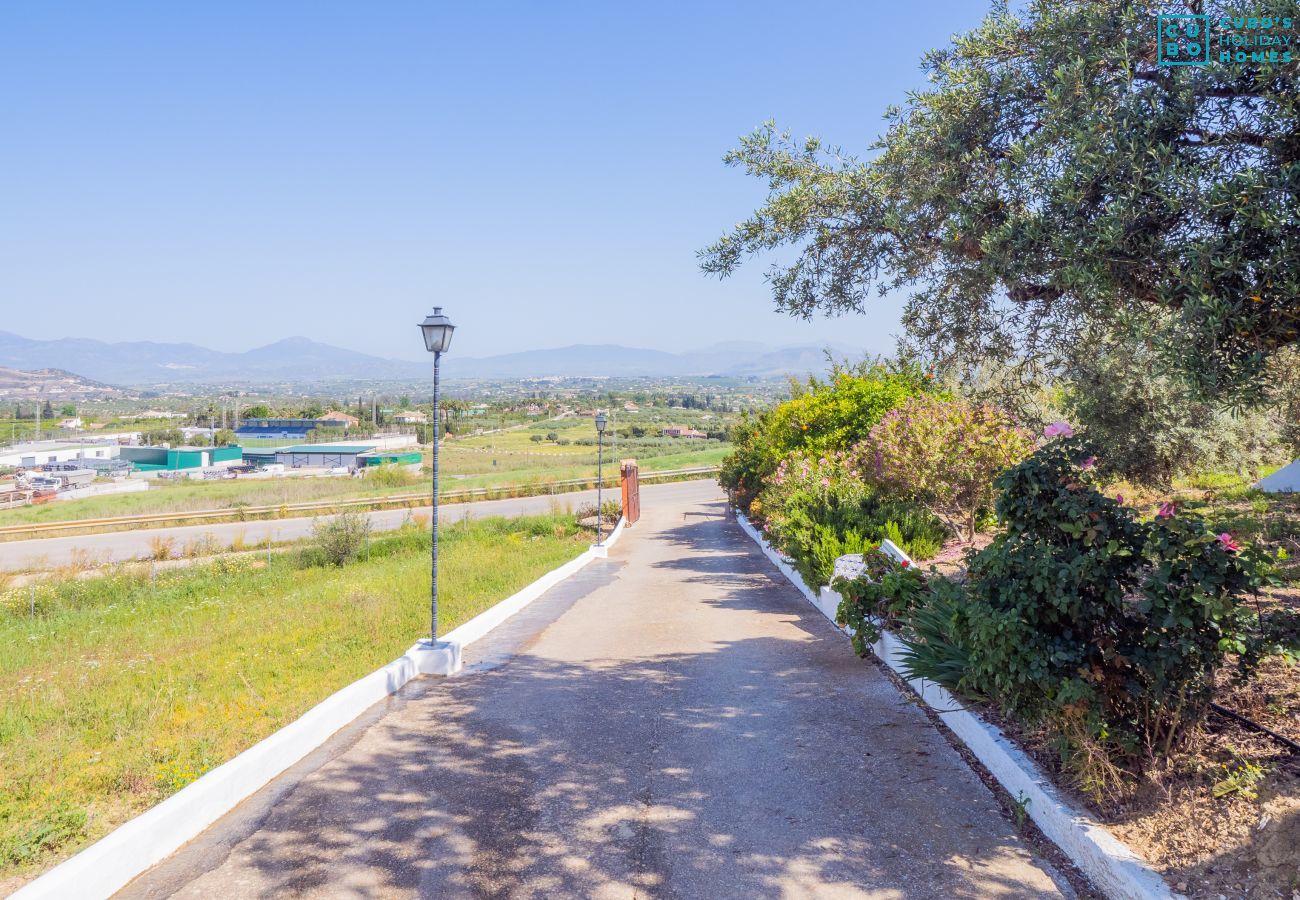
point(610, 512)
point(204, 545)
point(390, 475)
point(931, 649)
point(341, 537)
point(311, 557)
point(884, 594)
point(161, 548)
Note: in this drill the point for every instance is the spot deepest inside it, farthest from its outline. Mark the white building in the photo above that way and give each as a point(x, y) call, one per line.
point(39, 453)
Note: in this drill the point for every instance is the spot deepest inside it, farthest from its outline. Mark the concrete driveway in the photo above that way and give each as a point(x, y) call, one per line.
point(675, 722)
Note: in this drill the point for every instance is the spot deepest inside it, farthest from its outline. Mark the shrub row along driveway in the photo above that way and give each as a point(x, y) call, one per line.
point(676, 722)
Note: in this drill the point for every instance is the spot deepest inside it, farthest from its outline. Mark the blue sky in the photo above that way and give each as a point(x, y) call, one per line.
point(233, 173)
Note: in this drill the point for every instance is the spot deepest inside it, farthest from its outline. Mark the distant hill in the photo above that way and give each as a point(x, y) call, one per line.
point(733, 358)
point(147, 362)
point(298, 359)
point(54, 385)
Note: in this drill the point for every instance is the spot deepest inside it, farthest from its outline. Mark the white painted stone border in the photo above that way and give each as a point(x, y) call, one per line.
point(1111, 865)
point(109, 864)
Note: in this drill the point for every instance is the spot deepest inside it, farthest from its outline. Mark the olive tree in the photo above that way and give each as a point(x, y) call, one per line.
point(1054, 182)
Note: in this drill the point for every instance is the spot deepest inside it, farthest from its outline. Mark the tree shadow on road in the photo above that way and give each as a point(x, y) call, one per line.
point(765, 766)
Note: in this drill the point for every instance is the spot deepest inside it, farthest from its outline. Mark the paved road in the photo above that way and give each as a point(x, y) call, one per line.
point(120, 546)
point(676, 722)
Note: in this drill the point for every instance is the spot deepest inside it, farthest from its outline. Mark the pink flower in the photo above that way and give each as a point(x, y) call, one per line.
point(826, 482)
point(1167, 510)
point(1228, 543)
point(1119, 498)
point(1088, 463)
point(1058, 429)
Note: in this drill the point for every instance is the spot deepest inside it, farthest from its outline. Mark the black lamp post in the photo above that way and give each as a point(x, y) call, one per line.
point(600, 472)
point(437, 330)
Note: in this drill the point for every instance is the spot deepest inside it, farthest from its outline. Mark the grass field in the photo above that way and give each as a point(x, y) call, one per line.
point(116, 694)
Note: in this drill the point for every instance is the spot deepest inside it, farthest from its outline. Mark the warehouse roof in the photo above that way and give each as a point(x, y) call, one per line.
point(328, 448)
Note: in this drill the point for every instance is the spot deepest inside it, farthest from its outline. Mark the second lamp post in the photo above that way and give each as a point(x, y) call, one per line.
point(600, 475)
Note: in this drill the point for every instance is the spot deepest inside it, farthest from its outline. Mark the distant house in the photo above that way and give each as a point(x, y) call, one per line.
point(629, 406)
point(154, 414)
point(533, 409)
point(680, 431)
point(410, 417)
point(73, 423)
point(334, 417)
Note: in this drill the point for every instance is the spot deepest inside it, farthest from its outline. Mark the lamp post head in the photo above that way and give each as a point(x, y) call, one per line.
point(437, 330)
point(600, 422)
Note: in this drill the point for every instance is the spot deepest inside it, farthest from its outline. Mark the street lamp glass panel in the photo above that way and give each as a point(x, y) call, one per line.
point(600, 422)
point(437, 330)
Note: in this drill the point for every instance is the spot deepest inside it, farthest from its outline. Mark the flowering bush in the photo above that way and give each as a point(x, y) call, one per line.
point(1084, 617)
point(822, 417)
point(944, 454)
point(816, 509)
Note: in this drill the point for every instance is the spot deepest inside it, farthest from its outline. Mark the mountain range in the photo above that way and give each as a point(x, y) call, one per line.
point(299, 359)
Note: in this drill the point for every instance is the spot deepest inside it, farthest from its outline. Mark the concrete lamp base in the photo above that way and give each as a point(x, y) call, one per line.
point(442, 658)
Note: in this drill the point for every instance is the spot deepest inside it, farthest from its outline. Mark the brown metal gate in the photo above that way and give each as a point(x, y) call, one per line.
point(631, 491)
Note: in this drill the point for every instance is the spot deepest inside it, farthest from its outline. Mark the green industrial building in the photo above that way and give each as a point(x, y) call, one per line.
point(173, 459)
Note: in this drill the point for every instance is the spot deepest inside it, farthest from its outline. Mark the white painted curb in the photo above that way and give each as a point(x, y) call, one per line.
point(1111, 865)
point(110, 863)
